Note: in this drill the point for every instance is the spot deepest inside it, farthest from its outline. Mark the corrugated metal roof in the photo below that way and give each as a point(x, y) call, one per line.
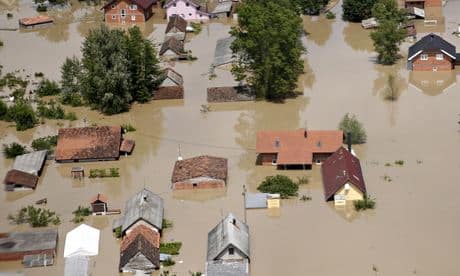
point(30, 162)
point(230, 231)
point(76, 266)
point(223, 54)
point(29, 241)
point(223, 7)
point(256, 201)
point(38, 260)
point(144, 205)
point(227, 268)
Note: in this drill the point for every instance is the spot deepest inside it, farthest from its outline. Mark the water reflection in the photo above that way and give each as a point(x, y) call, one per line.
point(199, 195)
point(319, 29)
point(432, 83)
point(357, 38)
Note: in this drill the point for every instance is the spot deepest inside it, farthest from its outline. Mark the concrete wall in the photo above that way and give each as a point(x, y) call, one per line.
point(352, 194)
point(445, 64)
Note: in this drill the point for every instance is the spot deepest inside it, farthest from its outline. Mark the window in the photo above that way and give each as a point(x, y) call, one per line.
point(123, 13)
point(439, 56)
point(189, 14)
point(174, 5)
point(114, 17)
point(133, 7)
point(187, 4)
point(231, 251)
point(133, 18)
point(424, 57)
point(113, 6)
point(195, 185)
point(274, 162)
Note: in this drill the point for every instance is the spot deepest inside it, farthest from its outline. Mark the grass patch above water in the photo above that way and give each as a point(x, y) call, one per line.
point(171, 248)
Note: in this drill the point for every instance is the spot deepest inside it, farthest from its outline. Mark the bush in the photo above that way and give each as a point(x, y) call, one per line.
point(167, 223)
point(42, 8)
point(45, 143)
point(39, 74)
point(357, 10)
point(36, 217)
point(113, 172)
point(117, 232)
point(3, 110)
point(14, 149)
point(23, 115)
point(1, 43)
point(80, 214)
point(171, 248)
point(196, 27)
point(349, 124)
point(399, 162)
point(48, 88)
point(330, 15)
point(50, 110)
point(302, 180)
point(279, 184)
point(364, 204)
point(71, 116)
point(128, 127)
point(169, 262)
point(72, 99)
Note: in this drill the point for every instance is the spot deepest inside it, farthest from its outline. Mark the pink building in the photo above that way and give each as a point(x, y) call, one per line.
point(187, 9)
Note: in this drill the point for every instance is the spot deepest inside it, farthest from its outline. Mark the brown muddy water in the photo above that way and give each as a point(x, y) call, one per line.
point(414, 229)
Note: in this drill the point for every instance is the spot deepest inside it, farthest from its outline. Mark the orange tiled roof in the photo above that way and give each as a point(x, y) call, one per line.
point(294, 147)
point(99, 197)
point(150, 235)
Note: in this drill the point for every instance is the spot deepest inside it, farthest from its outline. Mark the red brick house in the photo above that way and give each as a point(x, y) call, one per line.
point(432, 53)
point(201, 172)
point(296, 149)
point(422, 3)
point(128, 11)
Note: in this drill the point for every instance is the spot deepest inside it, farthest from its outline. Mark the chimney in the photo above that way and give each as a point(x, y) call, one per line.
point(277, 142)
point(234, 221)
point(349, 141)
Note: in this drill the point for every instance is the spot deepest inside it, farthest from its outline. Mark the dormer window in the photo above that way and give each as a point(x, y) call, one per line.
point(439, 56)
point(423, 57)
point(231, 251)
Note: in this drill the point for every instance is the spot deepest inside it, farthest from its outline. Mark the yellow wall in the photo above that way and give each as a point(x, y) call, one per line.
point(352, 194)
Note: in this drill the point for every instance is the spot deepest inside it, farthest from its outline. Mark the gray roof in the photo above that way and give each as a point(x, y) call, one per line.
point(29, 241)
point(223, 54)
point(222, 7)
point(30, 162)
point(76, 265)
point(227, 268)
point(38, 260)
point(174, 76)
point(144, 205)
point(227, 233)
point(256, 201)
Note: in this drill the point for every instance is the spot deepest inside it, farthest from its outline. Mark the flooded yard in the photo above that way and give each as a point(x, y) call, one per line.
point(414, 228)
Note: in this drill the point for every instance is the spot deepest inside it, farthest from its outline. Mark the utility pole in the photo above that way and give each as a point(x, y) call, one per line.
point(244, 203)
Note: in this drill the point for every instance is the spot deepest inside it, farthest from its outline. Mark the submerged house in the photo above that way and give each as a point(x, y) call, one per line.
point(342, 177)
point(223, 9)
point(172, 48)
point(99, 205)
point(177, 27)
point(19, 245)
point(128, 11)
point(223, 55)
point(83, 240)
point(297, 148)
point(84, 144)
point(187, 9)
point(144, 208)
point(201, 172)
point(140, 251)
point(228, 248)
point(19, 180)
point(172, 87)
point(432, 53)
point(26, 170)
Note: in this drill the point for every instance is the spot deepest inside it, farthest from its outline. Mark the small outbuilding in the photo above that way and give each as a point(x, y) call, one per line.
point(172, 87)
point(172, 48)
point(32, 162)
point(99, 205)
point(223, 9)
point(144, 208)
point(342, 177)
point(177, 27)
point(229, 240)
point(201, 172)
point(127, 146)
point(223, 55)
point(16, 245)
point(19, 180)
point(82, 241)
point(140, 251)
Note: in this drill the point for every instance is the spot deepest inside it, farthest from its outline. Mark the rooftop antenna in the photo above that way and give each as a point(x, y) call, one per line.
point(179, 153)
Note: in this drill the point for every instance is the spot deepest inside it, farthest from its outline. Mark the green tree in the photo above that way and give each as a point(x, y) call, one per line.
point(71, 74)
point(311, 7)
point(14, 149)
point(279, 184)
point(105, 82)
point(350, 124)
point(48, 88)
point(388, 10)
point(143, 67)
point(357, 10)
point(23, 115)
point(387, 39)
point(268, 47)
point(3, 110)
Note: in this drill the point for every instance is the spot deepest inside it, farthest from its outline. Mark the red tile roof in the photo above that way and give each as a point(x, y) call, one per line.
point(340, 168)
point(99, 197)
point(144, 4)
point(127, 145)
point(200, 166)
point(150, 235)
point(294, 148)
point(88, 143)
point(15, 177)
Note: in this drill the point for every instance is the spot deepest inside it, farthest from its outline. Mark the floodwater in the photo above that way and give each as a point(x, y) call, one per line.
point(414, 229)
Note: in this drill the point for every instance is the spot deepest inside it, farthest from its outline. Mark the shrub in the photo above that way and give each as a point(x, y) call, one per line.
point(9, 15)
point(22, 114)
point(357, 10)
point(279, 184)
point(387, 178)
point(80, 214)
point(117, 232)
point(399, 162)
point(330, 15)
point(36, 217)
point(50, 110)
point(48, 88)
point(196, 27)
point(302, 180)
point(169, 262)
point(349, 124)
point(305, 198)
point(14, 149)
point(366, 203)
point(45, 143)
point(167, 223)
point(113, 172)
point(128, 127)
point(171, 248)
point(1, 43)
point(3, 110)
point(71, 116)
point(42, 8)
point(39, 74)
point(72, 99)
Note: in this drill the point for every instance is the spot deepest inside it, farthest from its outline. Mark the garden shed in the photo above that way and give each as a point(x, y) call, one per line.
point(82, 241)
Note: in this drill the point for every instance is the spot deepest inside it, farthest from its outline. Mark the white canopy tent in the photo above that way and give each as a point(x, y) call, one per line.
point(82, 241)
